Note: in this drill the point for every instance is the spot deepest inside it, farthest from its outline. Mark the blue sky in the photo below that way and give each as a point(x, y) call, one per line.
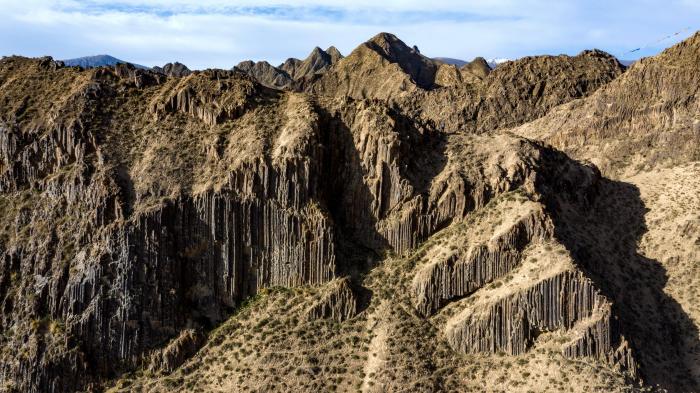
point(215, 33)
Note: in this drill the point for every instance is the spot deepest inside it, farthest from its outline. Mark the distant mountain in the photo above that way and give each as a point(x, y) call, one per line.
point(448, 60)
point(493, 63)
point(97, 61)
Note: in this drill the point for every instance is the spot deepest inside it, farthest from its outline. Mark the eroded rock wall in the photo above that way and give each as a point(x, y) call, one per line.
point(460, 274)
point(512, 322)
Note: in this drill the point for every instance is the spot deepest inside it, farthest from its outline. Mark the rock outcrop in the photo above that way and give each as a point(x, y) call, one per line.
point(510, 318)
point(515, 93)
point(211, 96)
point(136, 259)
point(265, 73)
point(144, 214)
point(318, 61)
point(478, 67)
point(176, 69)
point(460, 272)
point(293, 72)
point(338, 302)
point(383, 67)
point(176, 352)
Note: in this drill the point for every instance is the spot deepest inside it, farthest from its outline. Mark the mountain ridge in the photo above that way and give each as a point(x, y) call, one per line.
point(387, 224)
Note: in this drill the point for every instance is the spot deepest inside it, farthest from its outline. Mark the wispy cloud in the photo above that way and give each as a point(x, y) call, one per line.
point(302, 13)
point(216, 33)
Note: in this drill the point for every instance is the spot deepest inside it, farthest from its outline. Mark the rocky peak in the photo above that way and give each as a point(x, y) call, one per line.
point(290, 64)
point(382, 68)
point(285, 75)
point(316, 52)
point(334, 53)
point(479, 67)
point(245, 65)
point(265, 73)
point(421, 69)
point(173, 69)
point(389, 43)
point(317, 61)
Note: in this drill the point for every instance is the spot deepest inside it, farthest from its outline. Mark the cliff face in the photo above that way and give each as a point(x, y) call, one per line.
point(123, 253)
point(357, 233)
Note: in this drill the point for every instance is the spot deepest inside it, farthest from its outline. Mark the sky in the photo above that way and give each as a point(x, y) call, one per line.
point(219, 34)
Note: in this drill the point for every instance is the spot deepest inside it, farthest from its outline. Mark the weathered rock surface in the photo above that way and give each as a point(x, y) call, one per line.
point(511, 317)
point(646, 119)
point(515, 93)
point(479, 67)
point(139, 210)
point(133, 260)
point(211, 96)
point(173, 69)
point(180, 349)
point(318, 61)
point(458, 273)
point(265, 73)
point(338, 302)
point(383, 67)
point(293, 72)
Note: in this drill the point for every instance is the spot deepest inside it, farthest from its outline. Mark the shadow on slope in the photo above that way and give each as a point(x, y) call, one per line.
point(371, 178)
point(602, 230)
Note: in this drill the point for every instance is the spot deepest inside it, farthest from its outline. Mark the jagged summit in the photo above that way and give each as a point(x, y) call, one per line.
point(383, 67)
point(334, 53)
point(421, 69)
point(317, 61)
point(293, 71)
point(479, 67)
point(265, 73)
point(173, 69)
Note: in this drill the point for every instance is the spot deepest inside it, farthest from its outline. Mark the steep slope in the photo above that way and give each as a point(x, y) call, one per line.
point(673, 238)
point(478, 67)
point(383, 67)
point(642, 130)
point(514, 93)
point(154, 236)
point(242, 196)
point(646, 119)
point(387, 345)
